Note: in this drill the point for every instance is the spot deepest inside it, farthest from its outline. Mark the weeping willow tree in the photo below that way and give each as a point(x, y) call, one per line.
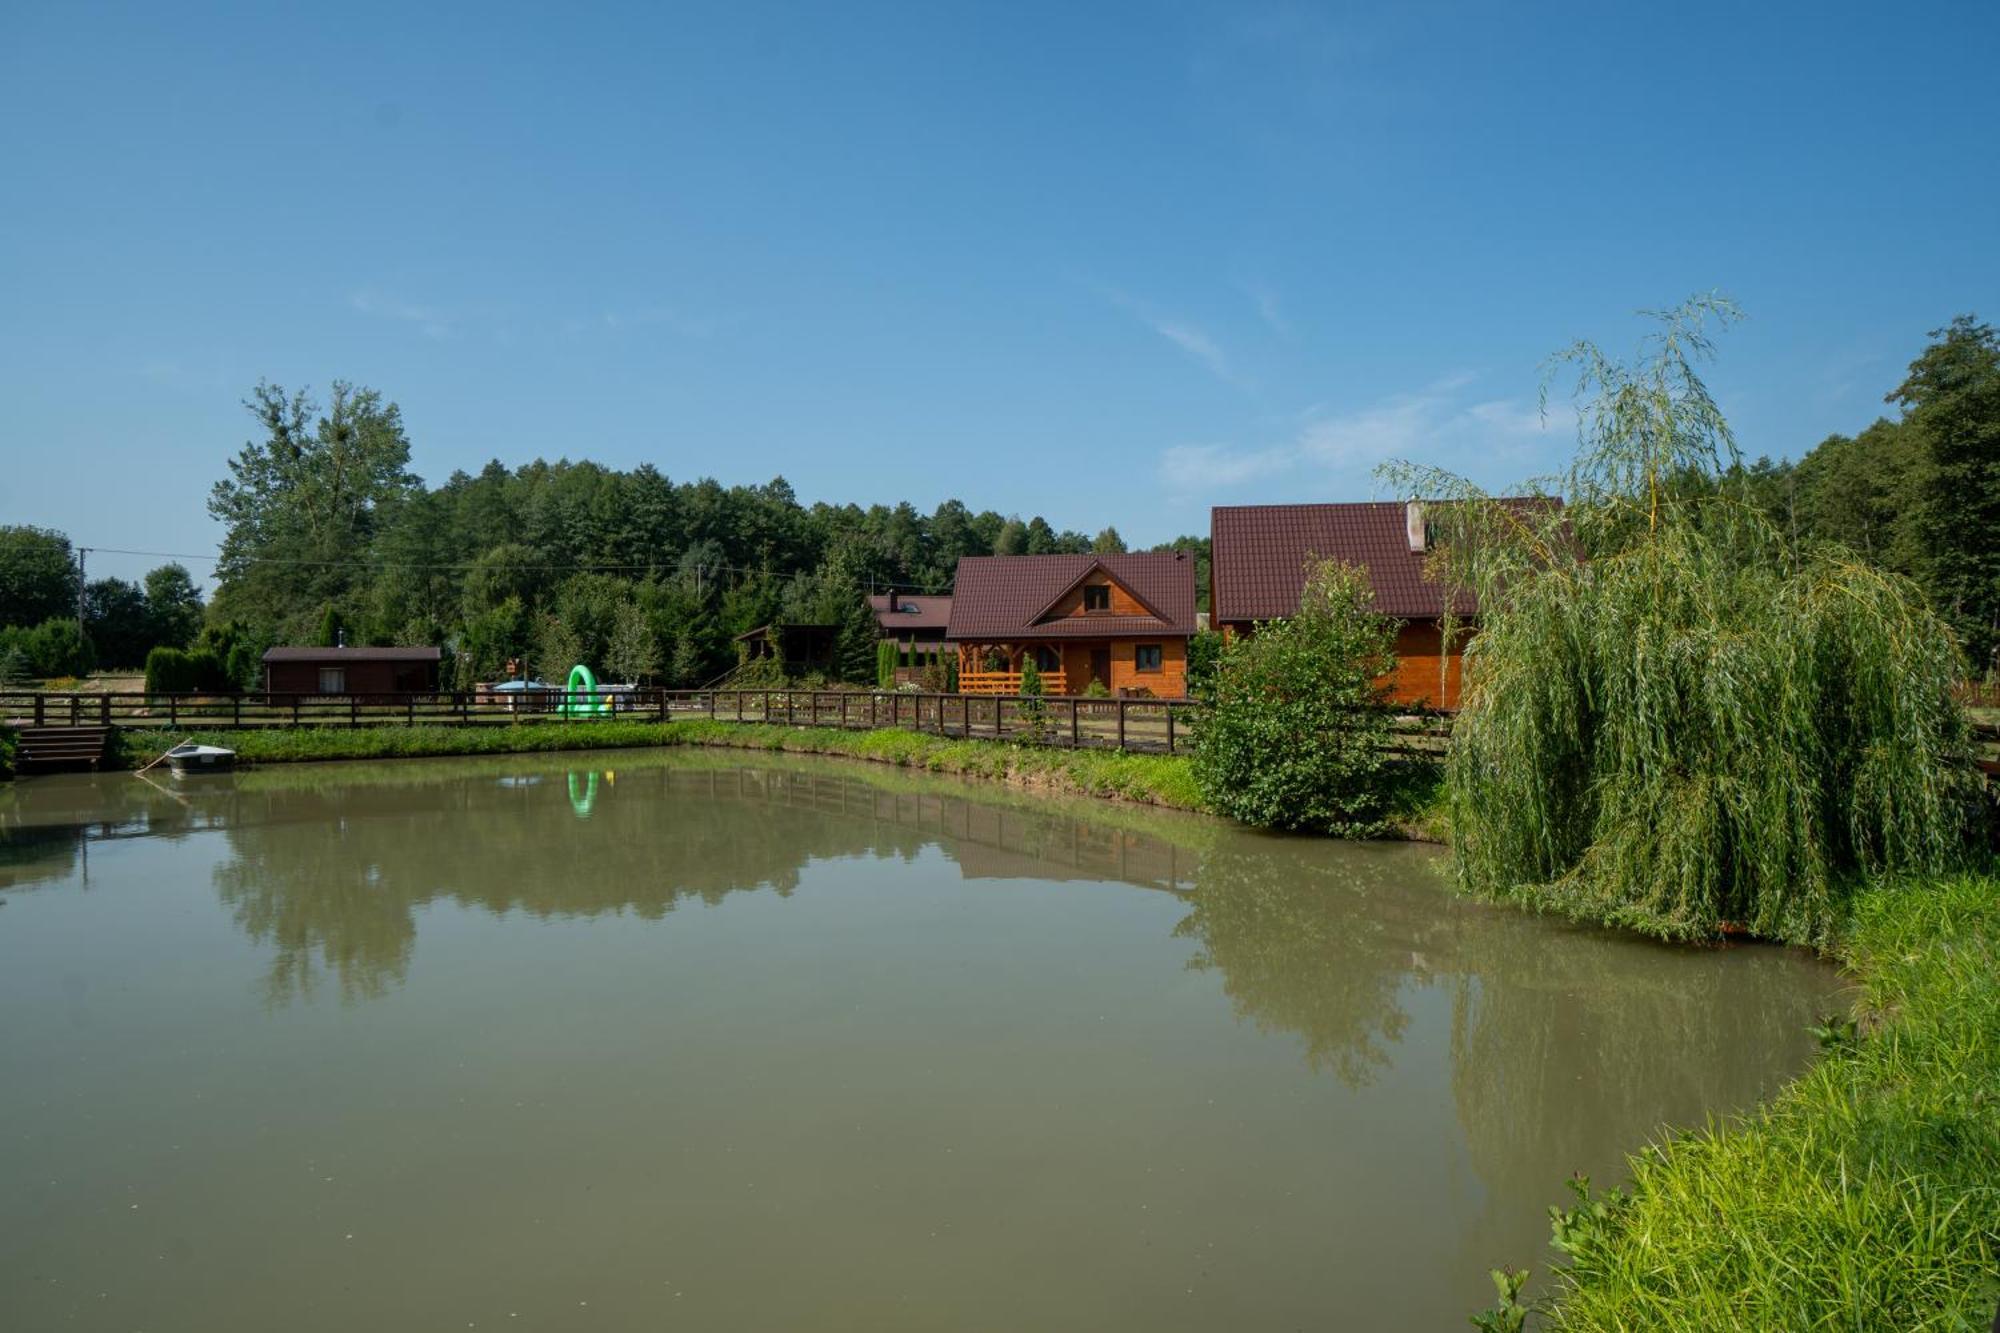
point(1673, 719)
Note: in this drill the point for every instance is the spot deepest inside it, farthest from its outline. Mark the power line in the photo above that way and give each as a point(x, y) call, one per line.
point(462, 566)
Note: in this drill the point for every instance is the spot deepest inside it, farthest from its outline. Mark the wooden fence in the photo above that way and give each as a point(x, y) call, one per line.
point(1159, 726)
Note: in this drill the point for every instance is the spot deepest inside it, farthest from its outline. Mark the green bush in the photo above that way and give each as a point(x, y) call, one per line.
point(885, 663)
point(169, 671)
point(1204, 655)
point(1294, 737)
point(8, 743)
point(55, 647)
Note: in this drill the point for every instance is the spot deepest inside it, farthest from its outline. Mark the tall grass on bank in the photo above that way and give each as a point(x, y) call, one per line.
point(1867, 1196)
point(1673, 721)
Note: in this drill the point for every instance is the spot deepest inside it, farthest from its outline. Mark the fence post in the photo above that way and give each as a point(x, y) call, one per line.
point(409, 710)
point(1075, 733)
point(843, 710)
point(1121, 722)
point(236, 712)
point(173, 710)
point(295, 712)
point(1170, 728)
point(104, 709)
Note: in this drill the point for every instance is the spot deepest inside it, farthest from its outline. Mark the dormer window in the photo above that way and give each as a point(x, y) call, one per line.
point(1097, 597)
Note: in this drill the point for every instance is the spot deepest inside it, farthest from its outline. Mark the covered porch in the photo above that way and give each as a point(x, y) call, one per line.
point(1066, 667)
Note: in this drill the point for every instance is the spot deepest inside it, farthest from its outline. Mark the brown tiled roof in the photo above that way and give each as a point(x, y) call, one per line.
point(1258, 556)
point(918, 612)
point(351, 655)
point(999, 596)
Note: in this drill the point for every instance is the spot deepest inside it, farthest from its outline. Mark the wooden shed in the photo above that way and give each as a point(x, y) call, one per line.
point(351, 670)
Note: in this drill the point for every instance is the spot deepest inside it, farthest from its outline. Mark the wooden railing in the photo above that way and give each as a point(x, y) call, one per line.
point(1156, 725)
point(1008, 682)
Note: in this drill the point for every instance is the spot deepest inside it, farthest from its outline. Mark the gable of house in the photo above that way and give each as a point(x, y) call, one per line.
point(1013, 597)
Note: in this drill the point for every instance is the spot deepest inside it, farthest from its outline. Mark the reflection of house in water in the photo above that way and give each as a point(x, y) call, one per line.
point(989, 841)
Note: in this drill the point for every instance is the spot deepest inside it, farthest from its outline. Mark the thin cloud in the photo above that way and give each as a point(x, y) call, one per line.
point(1193, 341)
point(429, 320)
point(1432, 424)
point(1268, 308)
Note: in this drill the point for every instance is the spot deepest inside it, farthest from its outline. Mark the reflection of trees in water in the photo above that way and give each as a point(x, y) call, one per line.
point(48, 824)
point(1571, 1048)
point(331, 874)
point(1316, 940)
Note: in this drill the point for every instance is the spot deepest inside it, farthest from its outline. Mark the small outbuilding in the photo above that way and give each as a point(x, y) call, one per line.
point(351, 671)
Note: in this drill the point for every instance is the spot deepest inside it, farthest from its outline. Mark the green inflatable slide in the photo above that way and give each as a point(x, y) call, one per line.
point(580, 696)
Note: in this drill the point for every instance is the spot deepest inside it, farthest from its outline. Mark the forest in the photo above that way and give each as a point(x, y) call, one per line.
point(329, 535)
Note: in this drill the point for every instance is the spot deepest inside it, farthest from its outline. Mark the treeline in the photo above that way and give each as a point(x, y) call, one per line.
point(1918, 494)
point(329, 537)
point(40, 637)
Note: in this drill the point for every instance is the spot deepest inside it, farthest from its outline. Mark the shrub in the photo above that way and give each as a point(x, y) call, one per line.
point(1294, 736)
point(57, 647)
point(1204, 654)
point(885, 663)
point(169, 671)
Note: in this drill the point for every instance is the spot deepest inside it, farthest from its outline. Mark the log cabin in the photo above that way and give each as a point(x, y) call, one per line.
point(1121, 620)
point(1257, 562)
point(915, 624)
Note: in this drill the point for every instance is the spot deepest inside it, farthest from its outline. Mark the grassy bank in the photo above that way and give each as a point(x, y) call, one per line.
point(1865, 1196)
point(1153, 779)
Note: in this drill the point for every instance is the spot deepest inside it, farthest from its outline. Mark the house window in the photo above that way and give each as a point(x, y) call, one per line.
point(333, 680)
point(1047, 658)
point(1147, 656)
point(1097, 597)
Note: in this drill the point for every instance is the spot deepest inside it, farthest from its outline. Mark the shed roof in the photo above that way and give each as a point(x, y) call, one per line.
point(310, 654)
point(912, 612)
point(1004, 596)
point(1258, 555)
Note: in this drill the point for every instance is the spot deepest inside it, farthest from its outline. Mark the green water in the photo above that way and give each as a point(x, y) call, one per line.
point(646, 1041)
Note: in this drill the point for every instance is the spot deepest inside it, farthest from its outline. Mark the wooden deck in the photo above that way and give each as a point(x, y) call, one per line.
point(1008, 682)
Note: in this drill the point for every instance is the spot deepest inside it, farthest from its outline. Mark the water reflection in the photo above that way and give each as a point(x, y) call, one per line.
point(1428, 1068)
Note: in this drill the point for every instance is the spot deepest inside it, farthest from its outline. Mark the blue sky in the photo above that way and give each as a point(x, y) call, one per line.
point(1111, 264)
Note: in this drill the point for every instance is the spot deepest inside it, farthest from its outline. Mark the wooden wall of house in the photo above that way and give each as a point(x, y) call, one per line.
point(1422, 677)
point(1169, 682)
point(363, 677)
point(1422, 674)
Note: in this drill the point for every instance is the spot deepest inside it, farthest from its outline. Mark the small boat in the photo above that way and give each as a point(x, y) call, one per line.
point(189, 758)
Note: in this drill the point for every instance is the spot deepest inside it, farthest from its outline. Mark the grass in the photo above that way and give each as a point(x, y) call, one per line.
point(1153, 779)
point(1865, 1196)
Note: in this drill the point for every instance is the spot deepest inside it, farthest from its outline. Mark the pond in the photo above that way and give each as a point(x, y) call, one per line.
point(709, 1041)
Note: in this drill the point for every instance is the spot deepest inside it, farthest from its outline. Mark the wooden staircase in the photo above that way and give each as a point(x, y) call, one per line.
point(45, 748)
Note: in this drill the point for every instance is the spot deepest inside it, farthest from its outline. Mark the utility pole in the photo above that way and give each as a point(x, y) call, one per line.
point(81, 552)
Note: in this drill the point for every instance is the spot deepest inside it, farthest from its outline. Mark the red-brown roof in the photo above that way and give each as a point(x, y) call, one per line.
point(911, 613)
point(1258, 555)
point(1001, 596)
point(351, 655)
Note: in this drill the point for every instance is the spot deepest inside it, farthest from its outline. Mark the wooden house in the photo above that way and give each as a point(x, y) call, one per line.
point(1257, 561)
point(916, 625)
point(798, 649)
point(1121, 620)
point(306, 670)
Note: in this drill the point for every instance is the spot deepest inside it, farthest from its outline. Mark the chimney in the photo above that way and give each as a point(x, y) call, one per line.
point(1413, 526)
point(892, 599)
